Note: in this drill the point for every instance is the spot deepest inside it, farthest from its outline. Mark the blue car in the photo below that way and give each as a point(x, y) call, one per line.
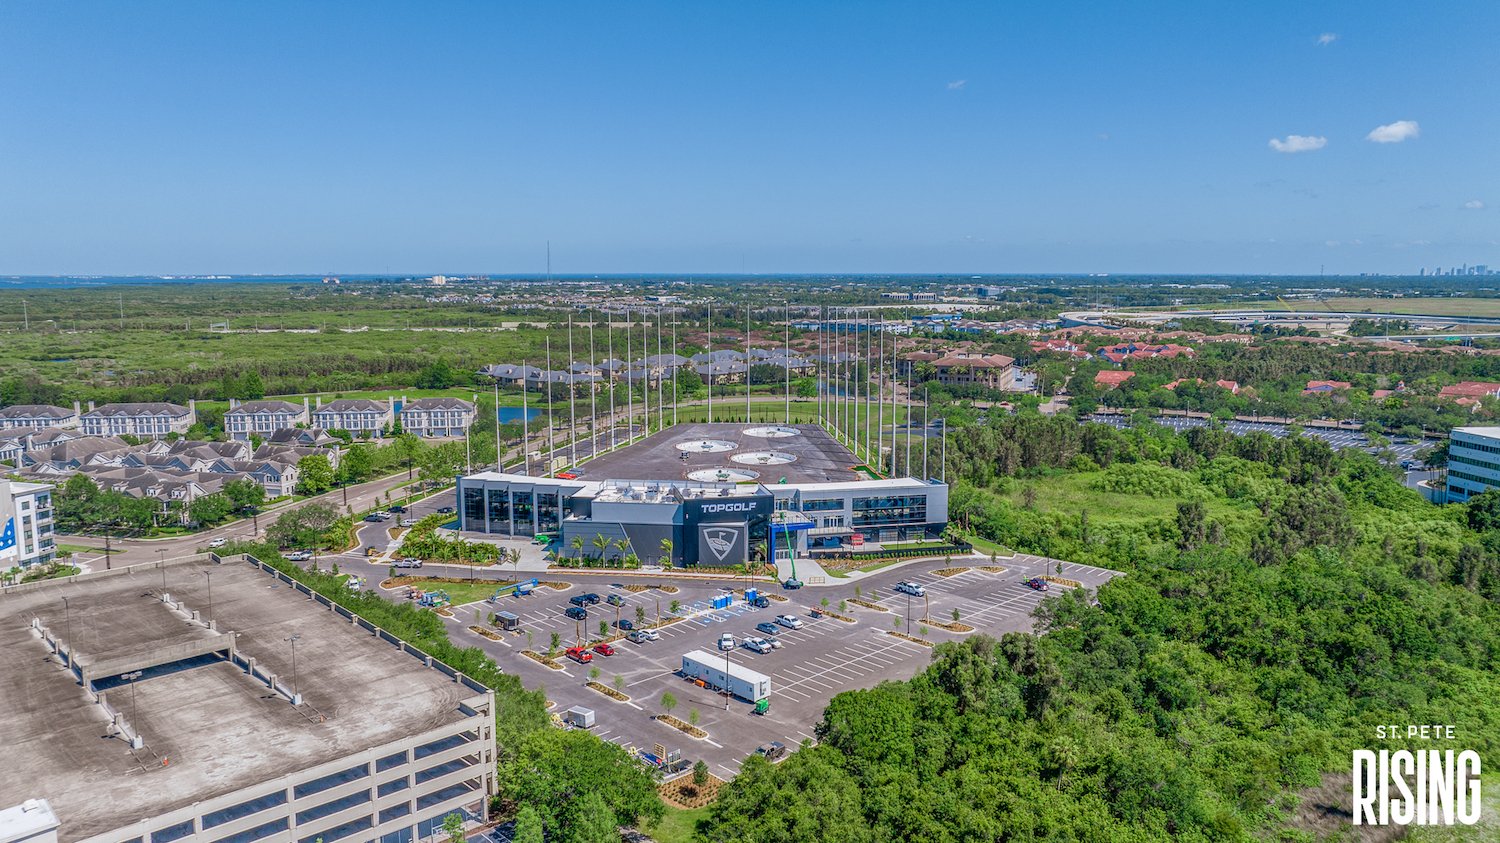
point(766, 628)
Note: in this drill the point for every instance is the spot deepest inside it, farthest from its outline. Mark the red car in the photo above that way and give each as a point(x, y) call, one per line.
point(580, 655)
point(604, 649)
point(1037, 583)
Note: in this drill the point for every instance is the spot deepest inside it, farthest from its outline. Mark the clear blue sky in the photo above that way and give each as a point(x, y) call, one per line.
point(193, 137)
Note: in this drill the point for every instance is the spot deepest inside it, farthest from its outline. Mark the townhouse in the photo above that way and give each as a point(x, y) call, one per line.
point(152, 420)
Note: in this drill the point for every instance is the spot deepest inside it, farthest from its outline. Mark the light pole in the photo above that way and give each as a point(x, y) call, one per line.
point(296, 692)
point(161, 562)
point(727, 692)
point(908, 613)
point(68, 629)
point(209, 575)
point(135, 724)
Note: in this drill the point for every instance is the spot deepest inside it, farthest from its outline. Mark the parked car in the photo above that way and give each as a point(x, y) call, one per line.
point(445, 510)
point(615, 600)
point(374, 518)
point(914, 589)
point(299, 556)
point(604, 649)
point(756, 645)
point(408, 522)
point(768, 628)
point(578, 600)
point(1037, 583)
point(577, 613)
point(774, 642)
point(647, 634)
point(772, 750)
point(789, 621)
point(395, 507)
point(761, 602)
point(408, 562)
point(590, 598)
point(219, 542)
point(726, 642)
point(580, 655)
point(625, 624)
point(638, 637)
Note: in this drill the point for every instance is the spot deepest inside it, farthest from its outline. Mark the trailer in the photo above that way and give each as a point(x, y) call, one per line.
point(507, 621)
point(740, 681)
point(579, 717)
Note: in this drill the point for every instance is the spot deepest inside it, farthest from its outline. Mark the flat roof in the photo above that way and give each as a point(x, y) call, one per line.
point(1480, 430)
point(818, 457)
point(209, 729)
point(886, 483)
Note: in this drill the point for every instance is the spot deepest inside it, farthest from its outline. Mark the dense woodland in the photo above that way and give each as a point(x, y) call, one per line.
point(1280, 599)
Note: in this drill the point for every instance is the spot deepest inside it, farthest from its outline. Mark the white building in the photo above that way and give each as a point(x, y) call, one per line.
point(25, 524)
point(153, 420)
point(437, 416)
point(356, 415)
point(263, 418)
point(39, 416)
point(1473, 462)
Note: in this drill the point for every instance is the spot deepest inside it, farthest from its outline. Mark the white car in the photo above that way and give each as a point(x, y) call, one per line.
point(649, 634)
point(726, 642)
point(914, 589)
point(789, 621)
point(756, 645)
point(774, 642)
point(219, 542)
point(408, 522)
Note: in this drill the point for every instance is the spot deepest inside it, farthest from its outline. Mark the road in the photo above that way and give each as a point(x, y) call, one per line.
point(359, 497)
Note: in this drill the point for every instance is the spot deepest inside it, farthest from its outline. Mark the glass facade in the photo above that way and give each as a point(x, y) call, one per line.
point(523, 512)
point(892, 509)
point(473, 508)
point(548, 516)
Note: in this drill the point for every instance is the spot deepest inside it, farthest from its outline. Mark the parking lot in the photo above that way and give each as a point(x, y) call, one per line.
point(1403, 449)
point(822, 658)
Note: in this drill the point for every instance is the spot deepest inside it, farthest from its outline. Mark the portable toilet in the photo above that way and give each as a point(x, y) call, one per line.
point(580, 717)
point(507, 621)
point(722, 602)
point(750, 594)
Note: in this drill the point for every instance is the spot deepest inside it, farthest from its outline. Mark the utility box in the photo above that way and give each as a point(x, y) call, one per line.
point(582, 718)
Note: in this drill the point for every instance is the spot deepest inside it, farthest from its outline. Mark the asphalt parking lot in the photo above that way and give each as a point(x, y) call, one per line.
point(822, 658)
point(1402, 448)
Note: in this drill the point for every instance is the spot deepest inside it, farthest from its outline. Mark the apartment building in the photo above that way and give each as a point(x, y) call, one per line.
point(263, 418)
point(39, 416)
point(152, 420)
point(25, 524)
point(437, 416)
point(359, 416)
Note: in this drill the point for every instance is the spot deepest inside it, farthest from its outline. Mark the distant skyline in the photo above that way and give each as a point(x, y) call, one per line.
point(402, 138)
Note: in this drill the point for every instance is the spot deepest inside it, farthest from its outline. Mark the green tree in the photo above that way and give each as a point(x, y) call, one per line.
point(211, 509)
point(529, 826)
point(593, 821)
point(244, 493)
point(314, 475)
point(453, 826)
point(553, 769)
point(668, 702)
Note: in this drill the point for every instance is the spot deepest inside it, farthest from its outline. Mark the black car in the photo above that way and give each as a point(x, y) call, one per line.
point(577, 613)
point(578, 600)
point(590, 598)
point(625, 624)
point(396, 507)
point(792, 584)
point(445, 510)
point(373, 518)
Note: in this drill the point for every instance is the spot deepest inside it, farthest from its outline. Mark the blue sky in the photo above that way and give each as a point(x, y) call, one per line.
point(188, 137)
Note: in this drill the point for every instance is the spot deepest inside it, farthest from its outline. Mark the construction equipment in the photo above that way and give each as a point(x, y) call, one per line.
point(519, 589)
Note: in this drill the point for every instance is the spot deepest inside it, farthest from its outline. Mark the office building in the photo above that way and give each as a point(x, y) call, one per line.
point(1473, 462)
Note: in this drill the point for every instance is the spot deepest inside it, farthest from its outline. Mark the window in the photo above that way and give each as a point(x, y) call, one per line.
point(441, 744)
point(244, 809)
point(431, 773)
point(173, 832)
point(822, 505)
point(392, 786)
point(256, 833)
point(401, 836)
point(332, 807)
point(895, 509)
point(331, 780)
point(386, 763)
point(340, 832)
point(395, 811)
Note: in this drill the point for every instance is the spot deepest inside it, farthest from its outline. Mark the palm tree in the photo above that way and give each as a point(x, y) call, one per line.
point(601, 544)
point(577, 544)
point(622, 545)
point(666, 552)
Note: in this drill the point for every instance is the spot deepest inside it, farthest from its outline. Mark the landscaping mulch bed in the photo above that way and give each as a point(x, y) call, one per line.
point(670, 589)
point(950, 572)
point(487, 633)
point(912, 638)
point(777, 597)
point(868, 605)
point(538, 657)
point(682, 793)
point(636, 588)
point(951, 626)
point(682, 726)
point(1066, 583)
point(993, 569)
point(837, 616)
point(608, 691)
point(444, 611)
point(395, 582)
point(556, 586)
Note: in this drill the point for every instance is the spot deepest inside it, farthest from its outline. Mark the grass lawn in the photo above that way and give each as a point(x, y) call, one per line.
point(1070, 494)
point(76, 548)
point(678, 824)
point(461, 593)
point(987, 546)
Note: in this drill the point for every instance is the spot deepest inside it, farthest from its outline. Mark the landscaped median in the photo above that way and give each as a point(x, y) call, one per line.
point(541, 659)
point(682, 726)
point(607, 691)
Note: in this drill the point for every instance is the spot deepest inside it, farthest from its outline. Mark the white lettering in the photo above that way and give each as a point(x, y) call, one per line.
point(1364, 787)
point(1468, 769)
point(1421, 787)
